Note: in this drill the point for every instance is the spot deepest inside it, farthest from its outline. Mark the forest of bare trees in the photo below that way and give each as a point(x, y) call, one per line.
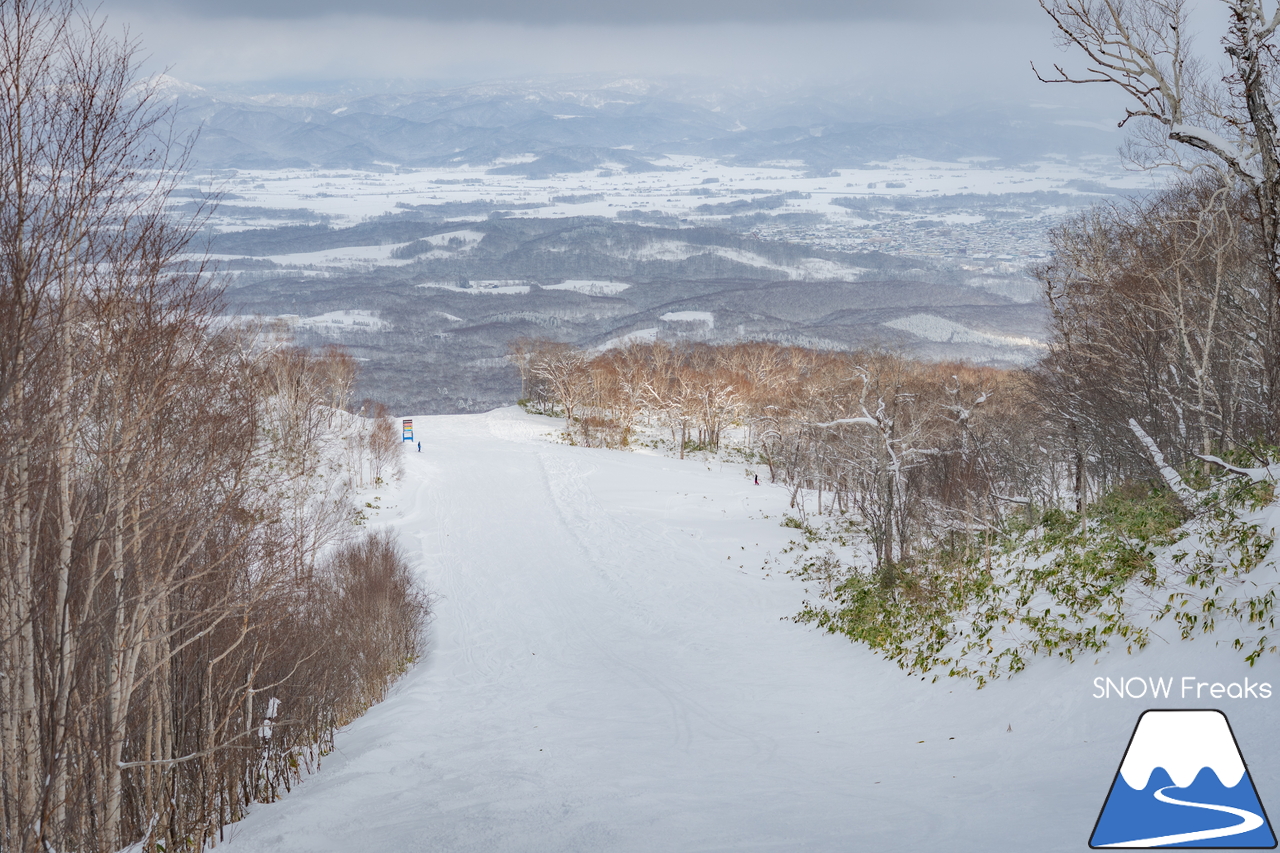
point(1158, 315)
point(917, 451)
point(186, 613)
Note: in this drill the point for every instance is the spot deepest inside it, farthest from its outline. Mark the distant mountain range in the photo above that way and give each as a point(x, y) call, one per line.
point(584, 124)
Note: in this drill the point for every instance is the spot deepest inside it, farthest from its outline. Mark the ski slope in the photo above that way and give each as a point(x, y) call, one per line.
point(608, 670)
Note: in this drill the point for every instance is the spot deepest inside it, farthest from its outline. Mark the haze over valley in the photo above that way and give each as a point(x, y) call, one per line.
point(428, 230)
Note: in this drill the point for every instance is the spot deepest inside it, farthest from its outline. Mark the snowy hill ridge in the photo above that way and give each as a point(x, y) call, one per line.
point(491, 122)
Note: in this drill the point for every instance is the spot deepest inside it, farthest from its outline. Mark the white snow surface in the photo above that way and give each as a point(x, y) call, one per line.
point(468, 237)
point(590, 287)
point(640, 336)
point(353, 319)
point(678, 250)
point(691, 317)
point(609, 670)
point(478, 287)
point(1183, 743)
point(689, 194)
point(349, 195)
point(934, 328)
point(344, 257)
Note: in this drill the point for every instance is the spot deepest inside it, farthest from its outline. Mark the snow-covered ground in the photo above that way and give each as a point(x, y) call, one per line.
point(609, 671)
point(639, 336)
point(343, 321)
point(349, 195)
point(590, 287)
point(699, 191)
point(344, 257)
point(478, 287)
point(934, 328)
point(690, 317)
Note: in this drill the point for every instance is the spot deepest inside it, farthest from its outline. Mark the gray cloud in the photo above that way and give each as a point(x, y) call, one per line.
point(927, 55)
point(908, 57)
point(614, 12)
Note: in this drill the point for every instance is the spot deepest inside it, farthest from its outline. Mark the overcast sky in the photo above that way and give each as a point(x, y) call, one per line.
point(612, 12)
point(936, 50)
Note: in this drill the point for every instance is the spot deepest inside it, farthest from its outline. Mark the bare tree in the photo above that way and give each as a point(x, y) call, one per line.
point(85, 241)
point(913, 451)
point(1194, 116)
point(1158, 311)
point(148, 587)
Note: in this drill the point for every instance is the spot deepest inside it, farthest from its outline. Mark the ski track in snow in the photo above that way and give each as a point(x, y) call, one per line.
point(599, 677)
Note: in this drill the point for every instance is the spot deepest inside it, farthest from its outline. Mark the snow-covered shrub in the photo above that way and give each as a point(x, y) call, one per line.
point(1070, 584)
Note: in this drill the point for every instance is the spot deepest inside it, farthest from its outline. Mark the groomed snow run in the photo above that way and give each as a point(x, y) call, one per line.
point(608, 670)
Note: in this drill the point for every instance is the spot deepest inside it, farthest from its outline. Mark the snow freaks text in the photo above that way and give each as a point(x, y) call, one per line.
point(1186, 687)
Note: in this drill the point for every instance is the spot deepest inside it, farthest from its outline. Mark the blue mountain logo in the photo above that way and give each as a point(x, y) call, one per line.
point(1183, 783)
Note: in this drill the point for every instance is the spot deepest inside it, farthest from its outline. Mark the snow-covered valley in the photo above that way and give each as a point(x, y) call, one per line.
point(408, 204)
point(969, 210)
point(609, 669)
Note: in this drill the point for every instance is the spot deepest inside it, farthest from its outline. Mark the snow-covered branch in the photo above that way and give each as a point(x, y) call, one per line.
point(1265, 474)
point(865, 421)
point(1217, 145)
point(1184, 492)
